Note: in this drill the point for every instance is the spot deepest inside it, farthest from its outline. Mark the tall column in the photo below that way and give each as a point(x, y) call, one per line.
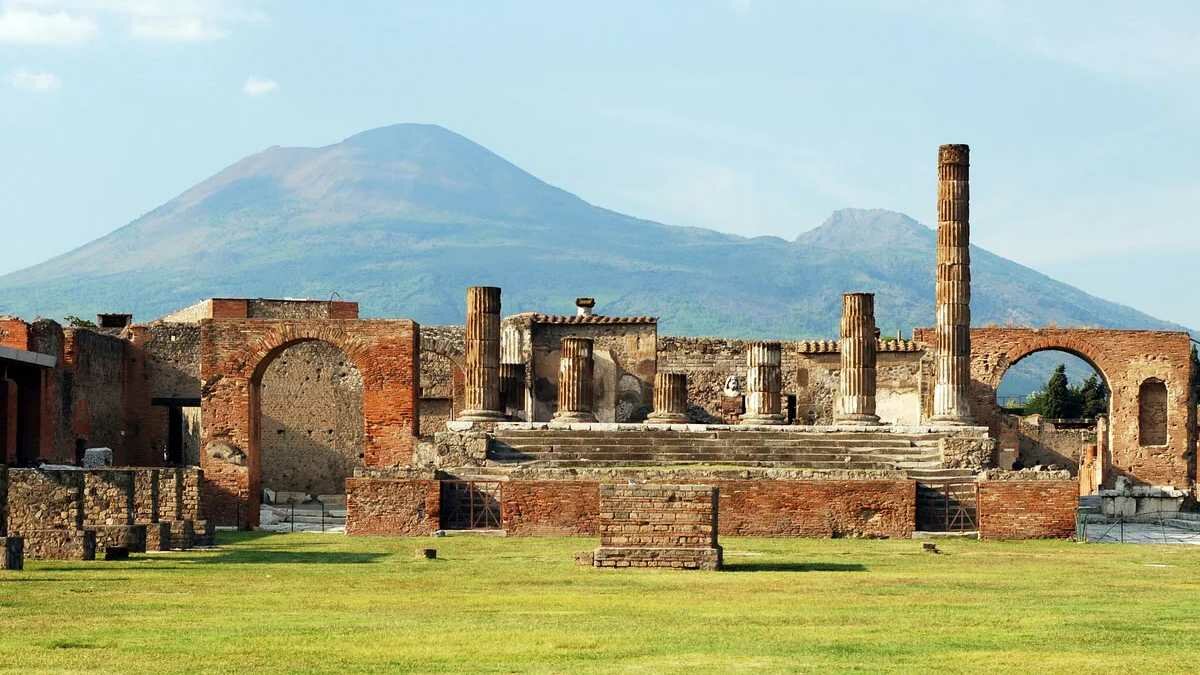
point(764, 380)
point(952, 353)
point(856, 384)
point(575, 381)
point(481, 374)
point(670, 399)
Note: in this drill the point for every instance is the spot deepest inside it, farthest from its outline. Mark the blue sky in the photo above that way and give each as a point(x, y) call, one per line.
point(746, 116)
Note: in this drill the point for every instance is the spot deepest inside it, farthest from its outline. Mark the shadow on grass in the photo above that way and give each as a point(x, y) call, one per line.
point(792, 567)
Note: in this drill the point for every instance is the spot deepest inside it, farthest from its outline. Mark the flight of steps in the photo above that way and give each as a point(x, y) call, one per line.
point(782, 449)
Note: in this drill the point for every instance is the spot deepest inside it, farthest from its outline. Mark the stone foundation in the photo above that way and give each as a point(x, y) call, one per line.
point(671, 526)
point(60, 544)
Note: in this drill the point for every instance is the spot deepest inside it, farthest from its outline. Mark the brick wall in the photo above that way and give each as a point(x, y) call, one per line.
point(1027, 509)
point(658, 525)
point(560, 508)
point(818, 508)
point(392, 506)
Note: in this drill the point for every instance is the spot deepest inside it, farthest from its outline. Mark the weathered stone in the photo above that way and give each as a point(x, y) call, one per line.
point(670, 399)
point(95, 458)
point(482, 370)
point(763, 382)
point(575, 381)
point(857, 379)
point(952, 351)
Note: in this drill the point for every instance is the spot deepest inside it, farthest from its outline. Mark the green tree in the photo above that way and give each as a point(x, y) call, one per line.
point(1093, 397)
point(76, 322)
point(1055, 400)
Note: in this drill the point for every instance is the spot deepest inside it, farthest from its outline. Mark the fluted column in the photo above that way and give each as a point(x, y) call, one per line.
point(764, 380)
point(575, 366)
point(481, 374)
point(856, 384)
point(670, 399)
point(952, 353)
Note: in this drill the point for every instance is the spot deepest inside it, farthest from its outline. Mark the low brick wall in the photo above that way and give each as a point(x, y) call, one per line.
point(1027, 509)
point(818, 508)
point(658, 526)
point(400, 507)
point(547, 507)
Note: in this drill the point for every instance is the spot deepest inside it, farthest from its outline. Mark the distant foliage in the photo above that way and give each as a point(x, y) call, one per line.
point(1059, 400)
point(1195, 375)
point(76, 322)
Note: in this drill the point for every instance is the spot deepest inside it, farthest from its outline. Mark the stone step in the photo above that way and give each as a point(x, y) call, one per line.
point(707, 452)
point(638, 439)
point(601, 463)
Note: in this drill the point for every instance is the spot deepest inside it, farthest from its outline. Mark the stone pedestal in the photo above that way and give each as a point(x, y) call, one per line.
point(952, 353)
point(856, 382)
point(12, 553)
point(658, 525)
point(481, 373)
point(764, 380)
point(670, 399)
point(575, 368)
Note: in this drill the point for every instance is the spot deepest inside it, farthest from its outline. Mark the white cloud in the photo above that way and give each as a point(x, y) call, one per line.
point(25, 26)
point(31, 81)
point(176, 29)
point(256, 86)
point(156, 20)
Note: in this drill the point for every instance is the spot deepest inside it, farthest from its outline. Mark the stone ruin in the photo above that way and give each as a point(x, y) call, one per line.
point(527, 415)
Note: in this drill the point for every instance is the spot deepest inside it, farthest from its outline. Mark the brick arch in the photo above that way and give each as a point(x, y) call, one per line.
point(1125, 359)
point(233, 355)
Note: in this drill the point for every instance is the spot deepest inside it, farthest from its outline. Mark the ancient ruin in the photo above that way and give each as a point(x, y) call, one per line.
point(216, 413)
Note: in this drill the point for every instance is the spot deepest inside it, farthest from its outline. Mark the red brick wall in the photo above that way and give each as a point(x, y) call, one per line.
point(233, 355)
point(547, 507)
point(392, 506)
point(224, 308)
point(1027, 509)
point(1126, 359)
point(818, 508)
point(14, 333)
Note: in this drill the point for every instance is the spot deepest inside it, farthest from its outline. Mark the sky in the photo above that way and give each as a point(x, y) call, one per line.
point(746, 116)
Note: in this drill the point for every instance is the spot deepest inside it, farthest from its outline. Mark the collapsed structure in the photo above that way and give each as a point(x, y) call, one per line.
point(514, 422)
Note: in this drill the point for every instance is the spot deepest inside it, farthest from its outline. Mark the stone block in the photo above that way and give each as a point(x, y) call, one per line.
point(130, 537)
point(96, 458)
point(12, 553)
point(158, 536)
point(181, 534)
point(60, 544)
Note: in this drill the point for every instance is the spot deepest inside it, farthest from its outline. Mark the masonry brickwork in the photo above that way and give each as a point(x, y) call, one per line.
point(672, 526)
point(549, 507)
point(396, 507)
point(1021, 509)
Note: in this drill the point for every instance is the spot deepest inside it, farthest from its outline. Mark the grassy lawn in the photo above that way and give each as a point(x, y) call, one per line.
point(328, 603)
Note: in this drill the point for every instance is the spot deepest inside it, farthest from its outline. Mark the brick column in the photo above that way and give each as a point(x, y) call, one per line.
point(952, 353)
point(764, 380)
point(856, 384)
point(575, 381)
point(481, 374)
point(670, 399)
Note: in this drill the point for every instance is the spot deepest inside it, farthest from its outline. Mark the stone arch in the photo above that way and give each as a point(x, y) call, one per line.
point(442, 382)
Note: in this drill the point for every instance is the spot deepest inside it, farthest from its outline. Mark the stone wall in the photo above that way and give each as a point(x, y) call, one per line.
point(1041, 442)
point(1027, 509)
point(397, 507)
point(98, 378)
point(44, 500)
point(442, 354)
point(173, 360)
point(557, 508)
point(810, 374)
point(312, 420)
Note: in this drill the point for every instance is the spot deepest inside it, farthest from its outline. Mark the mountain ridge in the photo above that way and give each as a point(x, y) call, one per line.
point(402, 218)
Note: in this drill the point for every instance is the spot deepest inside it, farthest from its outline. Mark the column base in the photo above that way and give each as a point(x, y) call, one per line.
point(952, 421)
point(481, 416)
point(864, 420)
point(763, 419)
point(573, 417)
point(667, 418)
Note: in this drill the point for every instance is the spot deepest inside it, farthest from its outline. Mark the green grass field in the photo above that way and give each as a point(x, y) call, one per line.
point(328, 603)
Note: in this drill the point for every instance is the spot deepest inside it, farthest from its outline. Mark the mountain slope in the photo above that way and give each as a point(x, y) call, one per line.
point(404, 217)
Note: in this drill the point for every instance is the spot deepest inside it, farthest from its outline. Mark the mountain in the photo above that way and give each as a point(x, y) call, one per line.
point(404, 217)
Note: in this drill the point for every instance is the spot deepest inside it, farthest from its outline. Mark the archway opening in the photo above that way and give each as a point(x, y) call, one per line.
point(1051, 402)
point(308, 424)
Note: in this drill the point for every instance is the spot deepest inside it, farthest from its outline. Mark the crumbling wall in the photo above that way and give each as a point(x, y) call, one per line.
point(98, 377)
point(441, 386)
point(810, 370)
point(312, 420)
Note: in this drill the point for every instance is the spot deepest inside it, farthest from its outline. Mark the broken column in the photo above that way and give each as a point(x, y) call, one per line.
point(764, 379)
point(952, 352)
point(575, 367)
point(856, 386)
point(670, 399)
point(481, 374)
point(12, 549)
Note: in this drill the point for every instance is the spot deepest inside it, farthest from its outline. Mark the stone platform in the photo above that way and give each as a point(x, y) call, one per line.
point(673, 526)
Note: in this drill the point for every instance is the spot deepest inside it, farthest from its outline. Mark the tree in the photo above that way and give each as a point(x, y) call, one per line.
point(1055, 400)
point(76, 322)
point(1093, 397)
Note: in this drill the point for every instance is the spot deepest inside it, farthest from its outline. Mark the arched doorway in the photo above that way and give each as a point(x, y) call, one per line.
point(310, 420)
point(1052, 401)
